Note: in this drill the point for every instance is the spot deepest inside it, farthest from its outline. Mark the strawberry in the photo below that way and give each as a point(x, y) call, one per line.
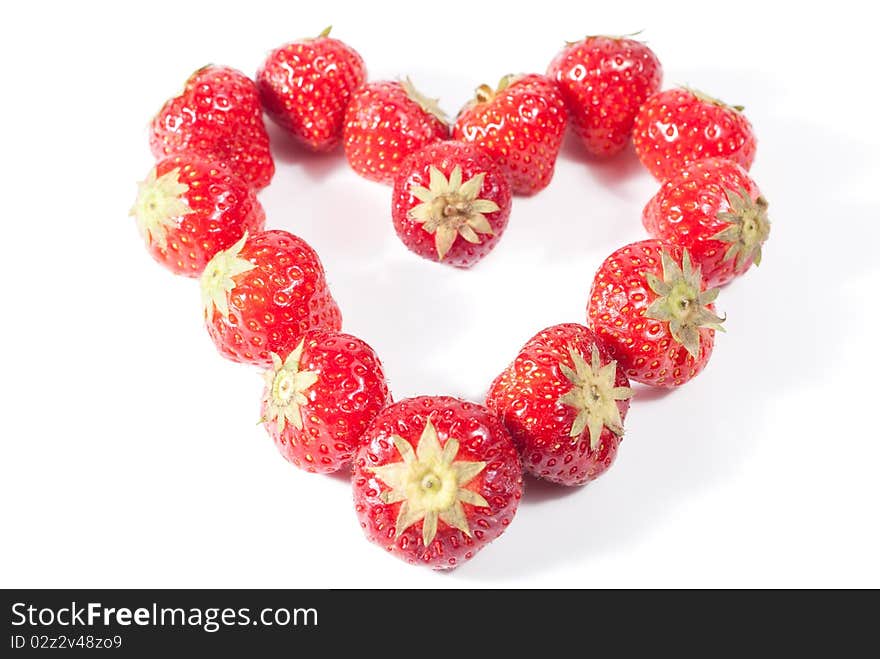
point(564, 401)
point(446, 191)
point(650, 306)
point(217, 116)
point(435, 480)
point(262, 294)
point(385, 122)
point(678, 126)
point(306, 85)
point(604, 81)
point(320, 398)
point(717, 212)
point(521, 125)
point(188, 209)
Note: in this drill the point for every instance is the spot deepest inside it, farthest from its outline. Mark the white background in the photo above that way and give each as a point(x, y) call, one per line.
point(130, 450)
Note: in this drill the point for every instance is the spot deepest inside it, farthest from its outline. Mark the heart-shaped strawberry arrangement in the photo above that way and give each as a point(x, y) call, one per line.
point(437, 478)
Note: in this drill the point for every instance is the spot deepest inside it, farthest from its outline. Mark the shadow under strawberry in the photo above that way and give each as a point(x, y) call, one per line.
point(538, 490)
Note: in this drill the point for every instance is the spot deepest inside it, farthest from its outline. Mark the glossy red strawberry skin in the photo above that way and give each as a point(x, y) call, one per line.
point(604, 81)
point(306, 85)
point(445, 156)
point(481, 436)
point(383, 125)
point(349, 392)
point(223, 208)
point(217, 116)
point(675, 127)
point(272, 305)
point(521, 128)
point(526, 398)
point(685, 212)
point(643, 347)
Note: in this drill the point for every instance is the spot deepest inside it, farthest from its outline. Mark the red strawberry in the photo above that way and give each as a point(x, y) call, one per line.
point(649, 305)
point(188, 209)
point(306, 85)
point(218, 116)
point(450, 203)
point(521, 125)
point(435, 480)
point(604, 81)
point(676, 127)
point(717, 212)
point(320, 398)
point(564, 401)
point(262, 294)
point(387, 121)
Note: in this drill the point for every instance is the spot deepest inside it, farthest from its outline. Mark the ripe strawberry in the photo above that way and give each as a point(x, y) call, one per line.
point(262, 294)
point(387, 121)
point(320, 398)
point(564, 401)
point(521, 125)
point(678, 126)
point(715, 211)
point(649, 305)
point(446, 191)
point(306, 85)
point(604, 81)
point(435, 480)
point(217, 116)
point(188, 209)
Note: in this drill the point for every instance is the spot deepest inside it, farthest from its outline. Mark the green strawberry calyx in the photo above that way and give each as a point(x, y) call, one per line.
point(594, 395)
point(485, 93)
point(161, 202)
point(218, 281)
point(429, 105)
point(748, 228)
point(286, 387)
point(682, 303)
point(451, 207)
point(430, 484)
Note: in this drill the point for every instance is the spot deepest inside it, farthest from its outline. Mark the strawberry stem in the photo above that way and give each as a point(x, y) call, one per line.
point(485, 93)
